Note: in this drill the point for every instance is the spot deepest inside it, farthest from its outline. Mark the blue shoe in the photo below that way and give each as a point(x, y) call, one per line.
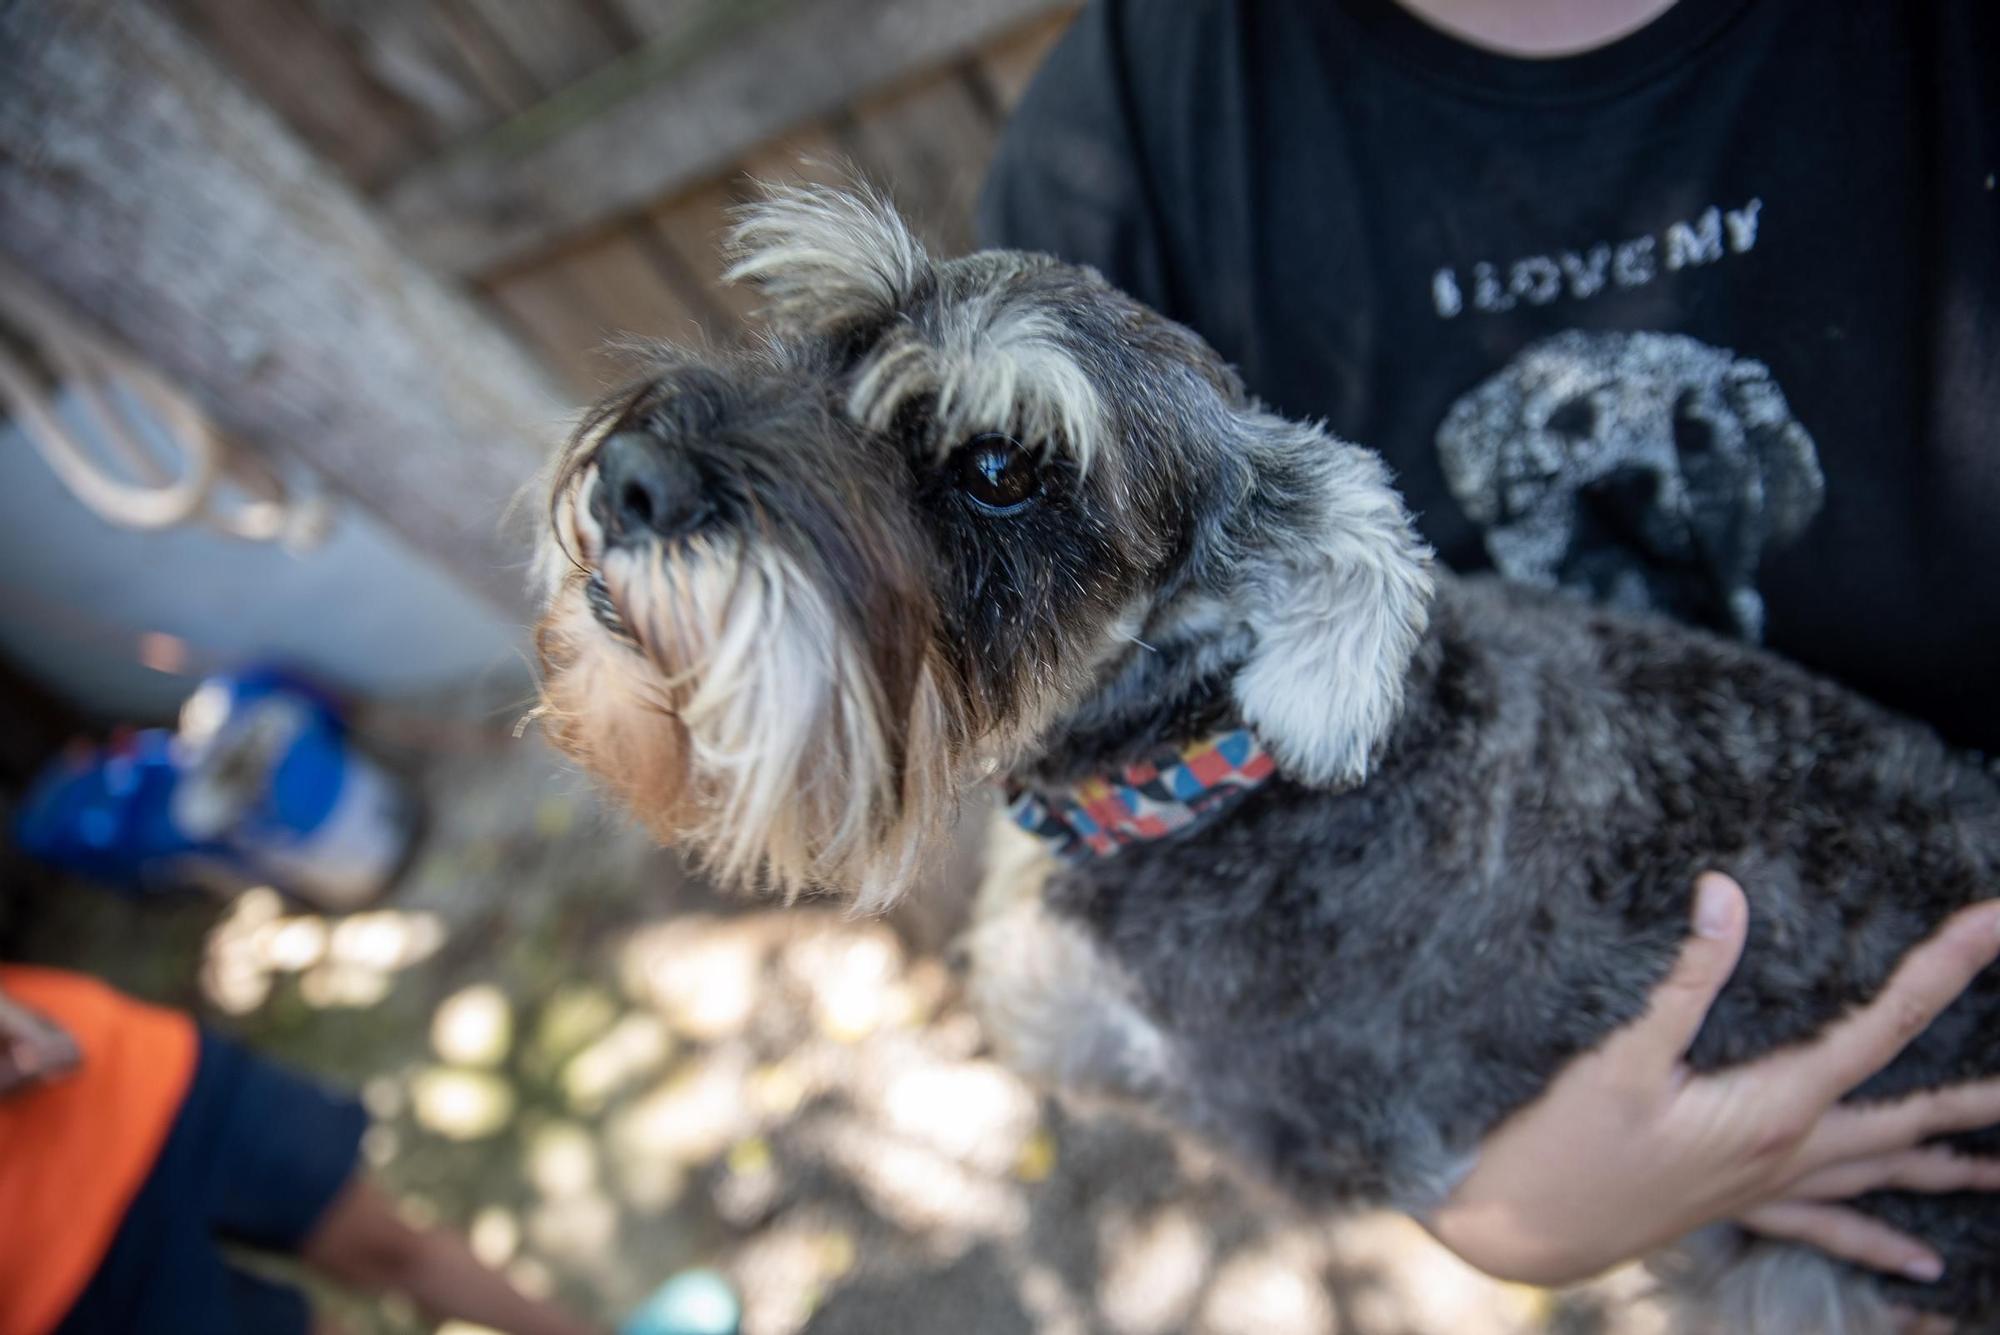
point(694, 1302)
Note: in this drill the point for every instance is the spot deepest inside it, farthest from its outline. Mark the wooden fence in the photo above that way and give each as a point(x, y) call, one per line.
point(572, 161)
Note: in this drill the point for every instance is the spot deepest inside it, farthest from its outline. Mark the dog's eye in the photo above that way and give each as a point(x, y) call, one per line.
point(996, 473)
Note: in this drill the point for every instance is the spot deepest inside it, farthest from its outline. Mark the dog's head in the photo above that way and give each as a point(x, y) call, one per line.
point(800, 595)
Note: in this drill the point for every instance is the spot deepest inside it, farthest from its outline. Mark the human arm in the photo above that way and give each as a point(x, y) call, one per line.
point(364, 1243)
point(1649, 1151)
point(33, 1048)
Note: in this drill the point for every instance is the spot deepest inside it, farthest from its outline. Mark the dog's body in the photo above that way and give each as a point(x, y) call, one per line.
point(1349, 989)
point(992, 514)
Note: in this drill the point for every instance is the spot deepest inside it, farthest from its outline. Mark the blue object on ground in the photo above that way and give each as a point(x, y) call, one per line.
point(107, 815)
point(694, 1302)
point(259, 784)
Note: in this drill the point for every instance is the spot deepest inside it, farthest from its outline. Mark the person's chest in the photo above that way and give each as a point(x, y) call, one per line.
point(1725, 344)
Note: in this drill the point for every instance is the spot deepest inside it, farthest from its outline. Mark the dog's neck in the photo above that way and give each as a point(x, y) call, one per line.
point(1166, 685)
point(1172, 687)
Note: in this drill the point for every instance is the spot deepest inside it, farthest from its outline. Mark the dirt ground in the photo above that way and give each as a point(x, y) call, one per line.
point(605, 1073)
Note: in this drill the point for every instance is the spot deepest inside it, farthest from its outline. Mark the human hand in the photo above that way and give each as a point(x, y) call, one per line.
point(33, 1048)
point(1628, 1149)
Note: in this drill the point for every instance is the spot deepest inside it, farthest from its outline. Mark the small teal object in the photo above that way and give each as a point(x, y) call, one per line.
point(694, 1302)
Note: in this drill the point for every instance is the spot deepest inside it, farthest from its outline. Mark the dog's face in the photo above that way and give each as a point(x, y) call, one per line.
point(802, 594)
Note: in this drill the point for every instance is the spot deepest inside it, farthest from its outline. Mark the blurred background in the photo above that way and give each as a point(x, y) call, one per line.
point(295, 296)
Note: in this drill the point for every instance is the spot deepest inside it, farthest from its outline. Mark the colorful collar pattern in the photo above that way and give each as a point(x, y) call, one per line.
point(1151, 799)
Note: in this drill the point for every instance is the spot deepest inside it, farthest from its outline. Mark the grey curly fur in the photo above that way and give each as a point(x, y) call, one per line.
point(1476, 860)
point(1357, 986)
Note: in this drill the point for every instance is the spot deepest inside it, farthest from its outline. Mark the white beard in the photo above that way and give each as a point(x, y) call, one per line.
point(750, 728)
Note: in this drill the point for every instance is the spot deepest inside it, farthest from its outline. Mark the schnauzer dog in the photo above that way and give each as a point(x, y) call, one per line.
point(1345, 858)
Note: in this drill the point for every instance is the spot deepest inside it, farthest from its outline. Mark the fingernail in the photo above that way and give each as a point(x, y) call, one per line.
point(1924, 1270)
point(1711, 907)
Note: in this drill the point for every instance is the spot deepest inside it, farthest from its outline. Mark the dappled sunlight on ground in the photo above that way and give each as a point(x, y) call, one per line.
point(346, 962)
point(603, 1074)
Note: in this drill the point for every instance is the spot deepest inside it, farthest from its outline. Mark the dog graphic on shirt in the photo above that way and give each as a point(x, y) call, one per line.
point(1647, 471)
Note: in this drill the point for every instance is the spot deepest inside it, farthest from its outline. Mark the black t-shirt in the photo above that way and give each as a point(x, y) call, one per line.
point(1706, 320)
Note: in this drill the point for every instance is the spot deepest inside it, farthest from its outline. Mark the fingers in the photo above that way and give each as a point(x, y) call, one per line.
point(1847, 1235)
point(1927, 1170)
point(1658, 1040)
point(1928, 980)
point(1873, 1130)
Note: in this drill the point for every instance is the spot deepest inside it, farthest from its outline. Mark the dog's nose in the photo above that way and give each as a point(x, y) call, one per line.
point(1625, 500)
point(647, 489)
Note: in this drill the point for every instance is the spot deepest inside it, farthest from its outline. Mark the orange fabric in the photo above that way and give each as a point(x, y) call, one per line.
point(75, 1151)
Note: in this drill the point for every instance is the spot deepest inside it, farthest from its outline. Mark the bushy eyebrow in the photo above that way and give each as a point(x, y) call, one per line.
point(983, 366)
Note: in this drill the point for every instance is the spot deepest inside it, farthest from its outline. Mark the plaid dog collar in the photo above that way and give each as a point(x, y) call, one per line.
point(1151, 799)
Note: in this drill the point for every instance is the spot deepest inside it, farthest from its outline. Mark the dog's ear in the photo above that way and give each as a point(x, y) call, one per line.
point(826, 257)
point(1337, 590)
point(1786, 459)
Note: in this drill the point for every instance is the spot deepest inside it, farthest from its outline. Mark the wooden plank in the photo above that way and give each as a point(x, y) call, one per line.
point(670, 115)
point(617, 26)
point(656, 19)
point(505, 80)
point(293, 59)
point(160, 200)
point(576, 304)
point(555, 43)
point(658, 276)
point(552, 316)
point(636, 287)
point(929, 143)
point(1008, 65)
point(817, 153)
point(407, 48)
point(691, 226)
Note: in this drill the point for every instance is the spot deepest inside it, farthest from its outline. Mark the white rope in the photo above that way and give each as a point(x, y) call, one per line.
point(103, 380)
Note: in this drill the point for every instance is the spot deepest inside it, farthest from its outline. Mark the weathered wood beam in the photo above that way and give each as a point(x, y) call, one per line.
point(293, 59)
point(428, 60)
point(145, 188)
point(930, 145)
point(556, 43)
point(675, 112)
